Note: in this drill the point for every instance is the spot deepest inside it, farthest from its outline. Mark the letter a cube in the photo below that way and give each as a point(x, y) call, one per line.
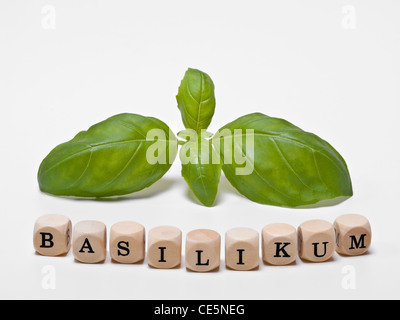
point(89, 241)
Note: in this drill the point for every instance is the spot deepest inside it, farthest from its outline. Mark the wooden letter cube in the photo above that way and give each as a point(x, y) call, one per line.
point(164, 247)
point(316, 240)
point(203, 250)
point(279, 244)
point(353, 234)
point(52, 235)
point(89, 241)
point(127, 242)
point(242, 249)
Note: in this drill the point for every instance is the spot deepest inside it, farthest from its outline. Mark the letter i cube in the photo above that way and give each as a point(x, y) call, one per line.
point(52, 235)
point(242, 246)
point(164, 247)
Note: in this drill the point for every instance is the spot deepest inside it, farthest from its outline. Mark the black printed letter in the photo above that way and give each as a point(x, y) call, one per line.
point(240, 256)
point(162, 254)
point(316, 249)
point(49, 239)
point(126, 243)
point(86, 245)
point(281, 249)
point(357, 244)
point(199, 259)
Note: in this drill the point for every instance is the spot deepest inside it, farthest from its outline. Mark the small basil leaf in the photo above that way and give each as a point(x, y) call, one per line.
point(271, 161)
point(196, 100)
point(114, 157)
point(201, 168)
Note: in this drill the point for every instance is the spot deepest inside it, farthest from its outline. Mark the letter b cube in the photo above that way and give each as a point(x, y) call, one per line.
point(52, 235)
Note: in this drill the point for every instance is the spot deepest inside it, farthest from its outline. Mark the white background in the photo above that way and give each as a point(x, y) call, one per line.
point(304, 61)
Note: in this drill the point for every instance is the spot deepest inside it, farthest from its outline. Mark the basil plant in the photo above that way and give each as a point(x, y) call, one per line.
point(268, 160)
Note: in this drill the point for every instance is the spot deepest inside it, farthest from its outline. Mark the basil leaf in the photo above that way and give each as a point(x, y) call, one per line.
point(190, 134)
point(201, 168)
point(286, 167)
point(196, 100)
point(114, 157)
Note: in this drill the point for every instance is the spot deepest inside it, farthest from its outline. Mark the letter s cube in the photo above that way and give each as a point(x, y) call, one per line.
point(127, 242)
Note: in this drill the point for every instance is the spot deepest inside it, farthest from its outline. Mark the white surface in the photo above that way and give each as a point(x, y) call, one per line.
point(290, 59)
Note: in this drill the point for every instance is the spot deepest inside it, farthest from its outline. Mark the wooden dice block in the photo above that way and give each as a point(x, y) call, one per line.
point(316, 240)
point(52, 235)
point(164, 249)
point(89, 241)
point(279, 244)
point(203, 250)
point(242, 249)
point(127, 242)
point(353, 234)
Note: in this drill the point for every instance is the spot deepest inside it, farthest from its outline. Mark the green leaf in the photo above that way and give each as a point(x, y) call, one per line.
point(196, 100)
point(286, 167)
point(201, 168)
point(114, 157)
point(190, 134)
